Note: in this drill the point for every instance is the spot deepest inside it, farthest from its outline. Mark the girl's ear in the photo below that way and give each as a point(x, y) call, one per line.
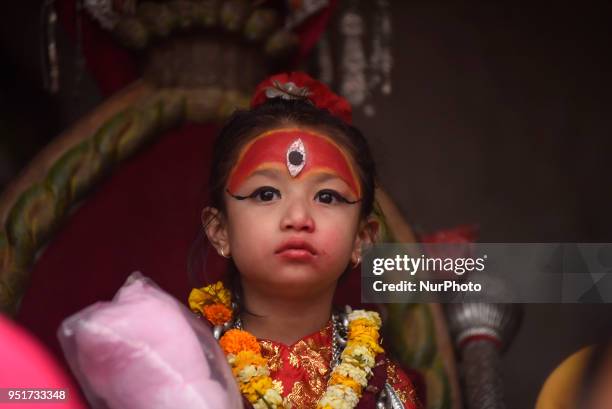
point(366, 236)
point(216, 230)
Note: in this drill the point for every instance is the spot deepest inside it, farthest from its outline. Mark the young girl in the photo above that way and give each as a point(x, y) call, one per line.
point(291, 193)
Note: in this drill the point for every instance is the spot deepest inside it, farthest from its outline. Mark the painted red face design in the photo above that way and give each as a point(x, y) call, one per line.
point(300, 152)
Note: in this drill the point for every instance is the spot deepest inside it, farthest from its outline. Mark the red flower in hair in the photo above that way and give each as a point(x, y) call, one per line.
point(299, 85)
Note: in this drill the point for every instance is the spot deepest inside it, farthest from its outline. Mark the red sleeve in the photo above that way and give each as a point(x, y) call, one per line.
point(402, 385)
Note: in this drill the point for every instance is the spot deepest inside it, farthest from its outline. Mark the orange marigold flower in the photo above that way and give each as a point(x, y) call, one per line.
point(235, 340)
point(217, 314)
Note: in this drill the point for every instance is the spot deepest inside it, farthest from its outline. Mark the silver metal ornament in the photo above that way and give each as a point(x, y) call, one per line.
point(287, 90)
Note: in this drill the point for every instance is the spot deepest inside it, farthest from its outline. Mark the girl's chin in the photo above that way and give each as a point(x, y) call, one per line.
point(295, 276)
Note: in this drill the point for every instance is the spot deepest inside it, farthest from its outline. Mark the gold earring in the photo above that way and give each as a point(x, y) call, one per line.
point(223, 254)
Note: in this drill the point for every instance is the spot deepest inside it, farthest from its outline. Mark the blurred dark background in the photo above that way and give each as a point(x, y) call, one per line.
point(500, 115)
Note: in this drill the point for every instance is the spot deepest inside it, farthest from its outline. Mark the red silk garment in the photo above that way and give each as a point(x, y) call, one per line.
point(304, 369)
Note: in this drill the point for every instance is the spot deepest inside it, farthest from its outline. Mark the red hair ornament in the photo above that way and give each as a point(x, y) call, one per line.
point(299, 85)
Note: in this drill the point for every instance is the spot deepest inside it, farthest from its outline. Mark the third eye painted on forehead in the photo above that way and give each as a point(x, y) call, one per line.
point(298, 152)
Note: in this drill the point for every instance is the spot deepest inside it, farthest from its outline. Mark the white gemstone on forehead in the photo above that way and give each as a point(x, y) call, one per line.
point(296, 157)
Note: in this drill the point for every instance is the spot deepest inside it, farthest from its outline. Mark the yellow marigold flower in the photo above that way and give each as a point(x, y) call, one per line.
point(196, 300)
point(360, 334)
point(249, 357)
point(361, 331)
point(369, 343)
point(217, 314)
point(248, 390)
point(262, 384)
point(211, 294)
point(256, 388)
point(337, 379)
point(235, 340)
point(364, 323)
point(218, 293)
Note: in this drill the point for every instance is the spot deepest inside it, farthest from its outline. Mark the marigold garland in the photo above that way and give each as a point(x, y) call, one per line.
point(217, 314)
point(250, 368)
point(213, 302)
point(356, 362)
point(235, 341)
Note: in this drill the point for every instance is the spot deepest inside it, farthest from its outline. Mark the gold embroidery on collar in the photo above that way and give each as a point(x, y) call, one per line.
point(293, 360)
point(271, 352)
point(307, 357)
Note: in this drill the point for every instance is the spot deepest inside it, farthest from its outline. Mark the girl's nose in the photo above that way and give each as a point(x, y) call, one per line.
point(297, 217)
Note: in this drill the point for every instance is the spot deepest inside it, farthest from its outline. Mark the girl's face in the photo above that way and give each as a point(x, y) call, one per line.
point(292, 233)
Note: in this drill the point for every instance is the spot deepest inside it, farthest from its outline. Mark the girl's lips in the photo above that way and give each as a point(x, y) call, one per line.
point(296, 250)
point(296, 254)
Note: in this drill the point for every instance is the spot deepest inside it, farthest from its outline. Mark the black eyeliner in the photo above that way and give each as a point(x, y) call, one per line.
point(237, 197)
point(253, 194)
point(339, 197)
